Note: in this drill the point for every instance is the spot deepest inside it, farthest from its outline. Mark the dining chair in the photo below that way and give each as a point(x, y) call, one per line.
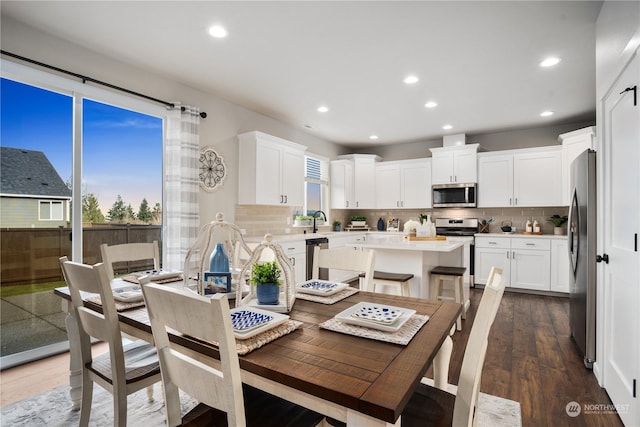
point(227, 400)
point(431, 406)
point(124, 369)
point(360, 261)
point(129, 252)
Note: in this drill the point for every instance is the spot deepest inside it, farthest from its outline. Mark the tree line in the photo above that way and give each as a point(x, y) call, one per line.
point(120, 212)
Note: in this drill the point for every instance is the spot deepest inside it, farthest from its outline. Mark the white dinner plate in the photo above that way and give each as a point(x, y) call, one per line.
point(128, 294)
point(376, 316)
point(251, 321)
point(320, 287)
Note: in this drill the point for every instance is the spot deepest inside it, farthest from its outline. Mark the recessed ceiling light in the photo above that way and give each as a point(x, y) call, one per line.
point(322, 109)
point(550, 61)
point(546, 113)
point(218, 31)
point(373, 137)
point(447, 127)
point(411, 80)
point(431, 104)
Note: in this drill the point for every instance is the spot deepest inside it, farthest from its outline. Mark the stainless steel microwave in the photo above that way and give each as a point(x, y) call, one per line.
point(454, 195)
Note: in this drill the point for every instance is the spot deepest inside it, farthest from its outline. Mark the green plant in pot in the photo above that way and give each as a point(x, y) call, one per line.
point(558, 221)
point(336, 225)
point(358, 220)
point(266, 277)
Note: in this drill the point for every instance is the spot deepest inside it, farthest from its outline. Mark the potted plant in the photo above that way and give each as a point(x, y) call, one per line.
point(266, 277)
point(336, 225)
point(303, 221)
point(557, 221)
point(358, 220)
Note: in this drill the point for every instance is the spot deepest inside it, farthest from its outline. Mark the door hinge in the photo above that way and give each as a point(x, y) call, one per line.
point(635, 94)
point(604, 258)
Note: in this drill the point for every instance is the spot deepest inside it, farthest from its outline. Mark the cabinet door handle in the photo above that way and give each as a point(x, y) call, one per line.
point(293, 261)
point(450, 178)
point(286, 199)
point(530, 244)
point(516, 203)
point(509, 201)
point(507, 254)
point(493, 243)
point(455, 178)
point(357, 204)
point(346, 204)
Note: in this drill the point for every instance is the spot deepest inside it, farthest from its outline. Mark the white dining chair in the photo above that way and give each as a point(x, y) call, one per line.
point(125, 369)
point(431, 406)
point(129, 252)
point(360, 261)
point(227, 400)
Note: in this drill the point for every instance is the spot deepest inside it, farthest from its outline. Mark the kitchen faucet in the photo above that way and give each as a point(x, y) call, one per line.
point(315, 229)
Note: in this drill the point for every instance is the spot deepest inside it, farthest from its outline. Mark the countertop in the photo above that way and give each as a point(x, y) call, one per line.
point(520, 235)
point(398, 243)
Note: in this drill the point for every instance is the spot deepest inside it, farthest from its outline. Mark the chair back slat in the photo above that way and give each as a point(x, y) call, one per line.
point(202, 317)
point(361, 261)
point(129, 252)
point(474, 355)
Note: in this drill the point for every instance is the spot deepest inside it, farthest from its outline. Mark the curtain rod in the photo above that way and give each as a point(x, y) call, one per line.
point(90, 79)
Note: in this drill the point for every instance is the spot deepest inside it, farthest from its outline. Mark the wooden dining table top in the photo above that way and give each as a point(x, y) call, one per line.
point(372, 377)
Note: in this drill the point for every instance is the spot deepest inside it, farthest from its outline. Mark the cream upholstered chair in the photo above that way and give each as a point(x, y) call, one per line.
point(430, 406)
point(361, 261)
point(129, 252)
point(229, 401)
point(125, 369)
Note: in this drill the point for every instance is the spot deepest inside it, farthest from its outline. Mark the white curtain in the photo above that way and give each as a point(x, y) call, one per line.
point(181, 185)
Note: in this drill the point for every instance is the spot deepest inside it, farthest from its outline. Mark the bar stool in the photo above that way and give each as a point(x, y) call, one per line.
point(441, 274)
point(392, 279)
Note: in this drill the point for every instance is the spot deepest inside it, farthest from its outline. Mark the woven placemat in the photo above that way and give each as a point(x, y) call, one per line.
point(330, 299)
point(403, 336)
point(247, 346)
point(120, 306)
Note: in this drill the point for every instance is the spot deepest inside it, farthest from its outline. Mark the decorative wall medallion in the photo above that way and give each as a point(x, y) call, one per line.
point(213, 170)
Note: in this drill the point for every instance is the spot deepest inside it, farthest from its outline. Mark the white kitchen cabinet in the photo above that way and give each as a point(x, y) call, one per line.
point(271, 170)
point(560, 274)
point(403, 184)
point(341, 184)
point(364, 178)
point(537, 178)
point(456, 164)
point(526, 262)
point(573, 144)
point(529, 177)
point(295, 250)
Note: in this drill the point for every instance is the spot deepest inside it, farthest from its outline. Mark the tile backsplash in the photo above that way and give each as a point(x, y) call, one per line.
point(259, 220)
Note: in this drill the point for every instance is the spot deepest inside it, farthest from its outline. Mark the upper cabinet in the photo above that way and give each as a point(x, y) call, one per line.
point(342, 184)
point(456, 164)
point(574, 143)
point(271, 170)
point(363, 182)
point(403, 184)
point(530, 177)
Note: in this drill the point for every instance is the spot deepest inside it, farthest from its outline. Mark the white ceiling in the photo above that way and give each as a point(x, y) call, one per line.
point(478, 60)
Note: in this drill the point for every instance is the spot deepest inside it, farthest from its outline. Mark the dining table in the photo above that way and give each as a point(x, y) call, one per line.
point(357, 380)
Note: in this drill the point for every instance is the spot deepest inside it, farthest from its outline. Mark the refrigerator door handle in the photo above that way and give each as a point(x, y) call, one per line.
point(574, 231)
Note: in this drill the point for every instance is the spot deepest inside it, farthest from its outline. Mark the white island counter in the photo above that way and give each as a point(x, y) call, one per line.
point(396, 255)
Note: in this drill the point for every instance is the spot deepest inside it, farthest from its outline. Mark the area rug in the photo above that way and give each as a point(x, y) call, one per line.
point(53, 409)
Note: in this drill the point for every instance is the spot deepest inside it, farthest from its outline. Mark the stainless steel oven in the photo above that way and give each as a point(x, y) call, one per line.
point(461, 229)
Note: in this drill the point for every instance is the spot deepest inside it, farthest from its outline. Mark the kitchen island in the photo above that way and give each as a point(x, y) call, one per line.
point(397, 255)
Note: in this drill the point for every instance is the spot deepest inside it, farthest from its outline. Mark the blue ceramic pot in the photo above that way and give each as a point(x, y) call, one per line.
point(268, 293)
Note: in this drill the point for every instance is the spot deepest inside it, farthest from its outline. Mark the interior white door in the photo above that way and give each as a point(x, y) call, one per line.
point(621, 222)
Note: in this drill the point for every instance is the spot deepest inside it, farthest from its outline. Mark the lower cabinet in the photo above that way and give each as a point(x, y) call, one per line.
point(526, 262)
point(560, 273)
point(295, 250)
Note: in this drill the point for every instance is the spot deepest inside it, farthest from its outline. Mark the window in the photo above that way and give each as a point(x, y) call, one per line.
point(316, 184)
point(51, 210)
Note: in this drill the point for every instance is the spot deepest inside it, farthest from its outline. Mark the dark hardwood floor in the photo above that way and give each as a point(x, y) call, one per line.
point(532, 359)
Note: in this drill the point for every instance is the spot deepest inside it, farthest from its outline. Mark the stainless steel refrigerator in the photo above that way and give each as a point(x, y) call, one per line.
point(582, 253)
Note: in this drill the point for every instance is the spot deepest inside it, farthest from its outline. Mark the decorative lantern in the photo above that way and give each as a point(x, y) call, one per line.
point(197, 263)
point(287, 286)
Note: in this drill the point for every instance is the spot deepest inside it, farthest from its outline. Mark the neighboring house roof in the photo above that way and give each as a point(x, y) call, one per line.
point(29, 173)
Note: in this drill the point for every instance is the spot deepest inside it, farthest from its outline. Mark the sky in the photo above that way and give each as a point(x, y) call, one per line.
point(122, 149)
